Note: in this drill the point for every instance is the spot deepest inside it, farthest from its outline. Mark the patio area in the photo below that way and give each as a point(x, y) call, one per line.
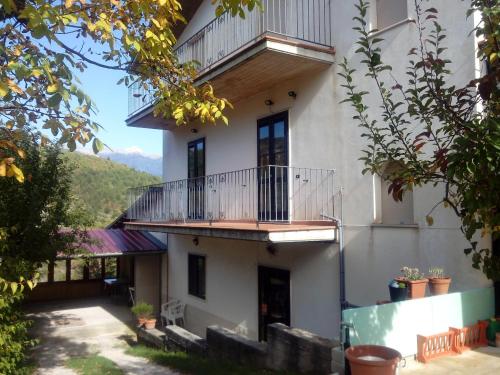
point(482, 361)
point(80, 328)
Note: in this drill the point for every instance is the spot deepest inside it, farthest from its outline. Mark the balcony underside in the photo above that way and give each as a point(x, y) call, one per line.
point(264, 232)
point(252, 69)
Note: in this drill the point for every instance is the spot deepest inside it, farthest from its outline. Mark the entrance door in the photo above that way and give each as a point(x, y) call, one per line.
point(274, 298)
point(272, 156)
point(196, 179)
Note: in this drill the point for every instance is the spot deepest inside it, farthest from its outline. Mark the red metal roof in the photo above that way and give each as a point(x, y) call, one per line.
point(120, 241)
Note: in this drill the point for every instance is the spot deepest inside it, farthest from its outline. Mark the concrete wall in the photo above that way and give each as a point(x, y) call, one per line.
point(147, 280)
point(322, 135)
point(396, 325)
point(232, 284)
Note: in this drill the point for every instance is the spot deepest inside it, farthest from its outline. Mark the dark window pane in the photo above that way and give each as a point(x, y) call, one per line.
point(60, 270)
point(196, 275)
point(110, 268)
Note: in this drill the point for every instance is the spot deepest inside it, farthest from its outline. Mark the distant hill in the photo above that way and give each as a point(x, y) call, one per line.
point(101, 185)
point(141, 162)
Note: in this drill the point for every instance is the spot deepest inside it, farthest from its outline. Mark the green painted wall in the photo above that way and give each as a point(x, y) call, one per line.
point(396, 325)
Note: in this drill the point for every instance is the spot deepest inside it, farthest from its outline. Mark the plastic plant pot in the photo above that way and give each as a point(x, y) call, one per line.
point(398, 294)
point(373, 360)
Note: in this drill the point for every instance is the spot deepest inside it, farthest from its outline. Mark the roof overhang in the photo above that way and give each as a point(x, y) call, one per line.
point(264, 232)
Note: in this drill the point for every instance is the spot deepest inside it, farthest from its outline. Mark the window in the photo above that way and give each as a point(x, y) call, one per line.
point(389, 211)
point(77, 267)
point(196, 275)
point(60, 270)
point(44, 273)
point(390, 12)
point(95, 268)
point(111, 268)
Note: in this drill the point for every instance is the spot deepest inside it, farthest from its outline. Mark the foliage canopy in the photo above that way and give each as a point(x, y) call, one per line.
point(43, 42)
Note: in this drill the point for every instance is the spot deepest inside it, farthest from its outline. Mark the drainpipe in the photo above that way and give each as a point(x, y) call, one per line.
point(343, 301)
point(340, 224)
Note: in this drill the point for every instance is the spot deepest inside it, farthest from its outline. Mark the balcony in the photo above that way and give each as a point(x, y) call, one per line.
point(271, 204)
point(241, 57)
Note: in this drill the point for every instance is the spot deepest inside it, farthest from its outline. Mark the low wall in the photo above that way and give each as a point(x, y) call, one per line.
point(296, 350)
point(66, 290)
point(397, 325)
point(228, 345)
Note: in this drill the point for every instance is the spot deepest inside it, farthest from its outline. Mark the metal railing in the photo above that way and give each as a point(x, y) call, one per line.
point(305, 20)
point(261, 194)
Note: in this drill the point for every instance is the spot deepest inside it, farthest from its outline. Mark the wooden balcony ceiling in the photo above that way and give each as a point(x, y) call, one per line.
point(269, 62)
point(265, 232)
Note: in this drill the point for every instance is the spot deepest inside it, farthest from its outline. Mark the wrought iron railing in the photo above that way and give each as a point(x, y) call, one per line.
point(261, 194)
point(306, 20)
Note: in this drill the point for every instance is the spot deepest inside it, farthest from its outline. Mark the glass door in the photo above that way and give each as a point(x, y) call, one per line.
point(274, 298)
point(196, 180)
point(272, 153)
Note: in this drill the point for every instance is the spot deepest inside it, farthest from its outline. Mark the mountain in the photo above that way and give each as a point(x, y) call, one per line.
point(137, 160)
point(101, 185)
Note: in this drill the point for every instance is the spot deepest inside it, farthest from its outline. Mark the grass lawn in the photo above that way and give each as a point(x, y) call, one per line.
point(194, 365)
point(93, 365)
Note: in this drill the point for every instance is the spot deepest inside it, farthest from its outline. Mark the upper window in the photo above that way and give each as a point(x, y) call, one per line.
point(390, 12)
point(394, 212)
point(197, 275)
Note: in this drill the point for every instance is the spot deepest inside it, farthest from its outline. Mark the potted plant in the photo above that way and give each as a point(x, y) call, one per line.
point(415, 281)
point(439, 283)
point(398, 291)
point(143, 312)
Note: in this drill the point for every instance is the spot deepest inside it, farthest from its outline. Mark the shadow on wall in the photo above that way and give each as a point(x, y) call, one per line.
point(397, 325)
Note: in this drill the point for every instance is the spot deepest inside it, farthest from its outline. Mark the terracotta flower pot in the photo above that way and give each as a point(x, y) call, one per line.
point(416, 288)
point(141, 321)
point(150, 323)
point(372, 360)
point(439, 286)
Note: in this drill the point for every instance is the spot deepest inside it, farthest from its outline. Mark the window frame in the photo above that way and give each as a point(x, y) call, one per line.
point(199, 288)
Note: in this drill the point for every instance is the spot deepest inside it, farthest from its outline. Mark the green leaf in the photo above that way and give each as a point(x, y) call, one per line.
point(97, 146)
point(55, 100)
point(4, 89)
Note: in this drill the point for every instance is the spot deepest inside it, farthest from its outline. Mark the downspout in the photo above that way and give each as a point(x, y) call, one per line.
point(161, 280)
point(340, 223)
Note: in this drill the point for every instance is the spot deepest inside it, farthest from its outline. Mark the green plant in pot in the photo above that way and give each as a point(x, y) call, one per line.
point(415, 281)
point(144, 314)
point(439, 283)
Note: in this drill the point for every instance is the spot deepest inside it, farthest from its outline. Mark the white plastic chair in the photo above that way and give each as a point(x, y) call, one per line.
point(173, 312)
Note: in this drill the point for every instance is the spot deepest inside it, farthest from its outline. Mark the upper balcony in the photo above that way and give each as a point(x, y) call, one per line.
point(271, 204)
point(241, 57)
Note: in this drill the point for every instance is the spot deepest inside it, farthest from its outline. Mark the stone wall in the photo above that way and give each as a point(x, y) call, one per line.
point(228, 345)
point(296, 350)
point(287, 349)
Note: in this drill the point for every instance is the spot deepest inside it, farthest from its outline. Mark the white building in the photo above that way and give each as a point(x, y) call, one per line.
point(259, 245)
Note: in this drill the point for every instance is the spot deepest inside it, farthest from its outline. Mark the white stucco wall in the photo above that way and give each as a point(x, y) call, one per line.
point(147, 280)
point(322, 134)
point(232, 283)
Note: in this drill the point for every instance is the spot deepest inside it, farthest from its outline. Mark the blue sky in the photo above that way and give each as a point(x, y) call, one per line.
point(111, 100)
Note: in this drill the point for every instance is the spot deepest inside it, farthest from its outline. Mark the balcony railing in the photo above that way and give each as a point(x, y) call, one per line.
point(305, 20)
point(261, 194)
